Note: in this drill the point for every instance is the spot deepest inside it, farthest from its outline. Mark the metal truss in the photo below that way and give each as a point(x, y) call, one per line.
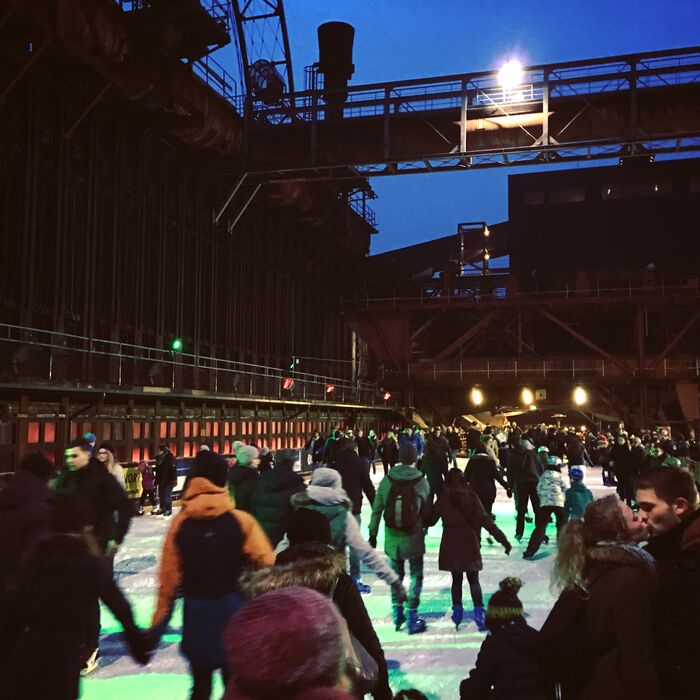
point(545, 118)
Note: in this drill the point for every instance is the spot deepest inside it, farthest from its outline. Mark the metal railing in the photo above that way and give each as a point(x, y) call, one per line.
point(482, 89)
point(438, 297)
point(561, 369)
point(66, 357)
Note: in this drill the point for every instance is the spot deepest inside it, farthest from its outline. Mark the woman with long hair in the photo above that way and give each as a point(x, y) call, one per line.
point(460, 551)
point(105, 454)
point(603, 615)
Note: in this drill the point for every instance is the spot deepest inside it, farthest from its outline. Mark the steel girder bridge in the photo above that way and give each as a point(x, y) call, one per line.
point(644, 103)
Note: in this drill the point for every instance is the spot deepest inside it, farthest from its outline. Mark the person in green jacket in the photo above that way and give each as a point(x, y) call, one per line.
point(243, 476)
point(401, 544)
point(578, 496)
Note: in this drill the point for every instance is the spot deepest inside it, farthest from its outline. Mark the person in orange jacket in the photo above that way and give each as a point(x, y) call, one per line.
point(206, 548)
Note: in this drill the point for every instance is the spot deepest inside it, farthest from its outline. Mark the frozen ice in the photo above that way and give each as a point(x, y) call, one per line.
point(434, 662)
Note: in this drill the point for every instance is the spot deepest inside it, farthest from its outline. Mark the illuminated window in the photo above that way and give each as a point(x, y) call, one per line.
point(163, 430)
point(137, 431)
point(33, 432)
point(49, 432)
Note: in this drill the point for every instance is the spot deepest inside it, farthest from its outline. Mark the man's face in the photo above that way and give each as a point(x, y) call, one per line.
point(76, 458)
point(657, 515)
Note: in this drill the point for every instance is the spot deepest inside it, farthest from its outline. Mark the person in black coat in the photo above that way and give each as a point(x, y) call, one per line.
point(463, 516)
point(356, 480)
point(310, 561)
point(26, 505)
point(50, 617)
point(108, 514)
point(669, 506)
point(271, 505)
point(166, 479)
point(435, 465)
point(108, 507)
point(364, 447)
point(388, 450)
point(482, 474)
point(524, 471)
point(507, 663)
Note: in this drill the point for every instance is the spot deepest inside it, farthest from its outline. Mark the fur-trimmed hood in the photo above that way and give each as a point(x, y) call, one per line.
point(318, 572)
point(608, 555)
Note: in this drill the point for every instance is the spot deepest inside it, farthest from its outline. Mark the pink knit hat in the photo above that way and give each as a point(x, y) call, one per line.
point(283, 643)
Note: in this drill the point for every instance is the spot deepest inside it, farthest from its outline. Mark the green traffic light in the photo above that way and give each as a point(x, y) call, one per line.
point(176, 345)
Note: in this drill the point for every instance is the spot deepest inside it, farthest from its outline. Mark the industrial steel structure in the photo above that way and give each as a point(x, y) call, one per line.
point(148, 195)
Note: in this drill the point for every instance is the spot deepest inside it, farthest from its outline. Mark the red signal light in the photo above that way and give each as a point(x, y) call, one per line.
point(387, 395)
point(330, 388)
point(287, 384)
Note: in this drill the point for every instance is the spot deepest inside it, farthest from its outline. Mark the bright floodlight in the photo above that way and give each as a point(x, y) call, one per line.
point(580, 396)
point(476, 396)
point(527, 397)
point(510, 75)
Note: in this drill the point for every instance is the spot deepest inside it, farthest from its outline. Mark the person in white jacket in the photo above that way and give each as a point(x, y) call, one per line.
point(326, 495)
point(551, 490)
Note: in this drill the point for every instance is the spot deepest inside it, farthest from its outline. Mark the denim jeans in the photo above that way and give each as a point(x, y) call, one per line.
point(416, 586)
point(354, 559)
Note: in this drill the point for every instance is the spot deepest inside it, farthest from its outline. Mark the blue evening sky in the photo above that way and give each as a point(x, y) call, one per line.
point(416, 39)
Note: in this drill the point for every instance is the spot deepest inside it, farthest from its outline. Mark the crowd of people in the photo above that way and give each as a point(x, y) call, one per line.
point(268, 562)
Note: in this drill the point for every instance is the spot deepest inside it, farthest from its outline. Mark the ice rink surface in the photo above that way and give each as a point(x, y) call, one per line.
point(434, 662)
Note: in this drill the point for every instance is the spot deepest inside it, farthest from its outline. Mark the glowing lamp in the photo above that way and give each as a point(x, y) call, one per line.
point(510, 75)
point(527, 397)
point(580, 396)
point(476, 396)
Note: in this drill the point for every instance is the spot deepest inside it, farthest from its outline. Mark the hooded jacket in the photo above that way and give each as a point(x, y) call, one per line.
point(621, 580)
point(336, 506)
point(507, 662)
point(26, 505)
point(677, 607)
point(397, 543)
point(270, 504)
point(324, 571)
point(207, 546)
point(552, 487)
point(106, 501)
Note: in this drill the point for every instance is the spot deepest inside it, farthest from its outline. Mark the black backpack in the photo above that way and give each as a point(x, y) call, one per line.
point(403, 505)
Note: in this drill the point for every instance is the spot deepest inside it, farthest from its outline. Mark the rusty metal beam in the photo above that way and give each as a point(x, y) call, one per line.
point(585, 341)
point(23, 70)
point(387, 345)
point(69, 131)
point(467, 335)
point(675, 340)
point(426, 325)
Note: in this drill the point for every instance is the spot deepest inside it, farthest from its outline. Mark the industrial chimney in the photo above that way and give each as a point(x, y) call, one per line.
point(335, 41)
